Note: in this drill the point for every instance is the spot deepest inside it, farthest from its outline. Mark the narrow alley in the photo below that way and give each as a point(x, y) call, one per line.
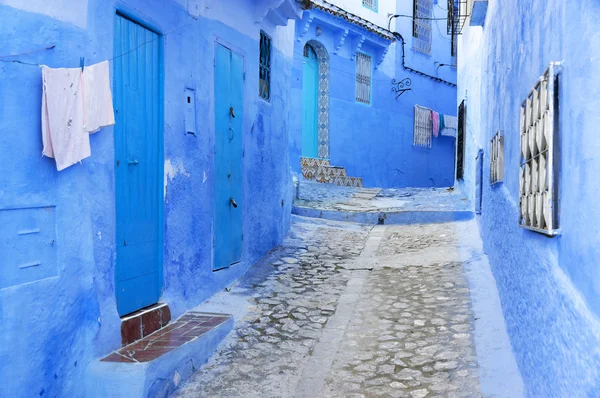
point(299, 198)
point(354, 310)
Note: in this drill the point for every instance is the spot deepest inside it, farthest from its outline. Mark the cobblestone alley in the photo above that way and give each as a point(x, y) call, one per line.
point(353, 310)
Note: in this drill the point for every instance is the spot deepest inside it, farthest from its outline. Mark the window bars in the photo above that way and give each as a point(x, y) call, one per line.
point(423, 127)
point(422, 18)
point(363, 78)
point(458, 11)
point(372, 4)
point(460, 141)
point(497, 158)
point(539, 148)
point(264, 83)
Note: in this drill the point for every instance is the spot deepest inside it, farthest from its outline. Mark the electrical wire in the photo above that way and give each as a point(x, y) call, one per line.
point(3, 57)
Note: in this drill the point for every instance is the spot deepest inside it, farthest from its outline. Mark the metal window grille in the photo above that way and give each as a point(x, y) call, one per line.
point(423, 127)
point(363, 78)
point(460, 141)
point(458, 12)
point(264, 83)
point(372, 4)
point(539, 147)
point(422, 17)
point(497, 158)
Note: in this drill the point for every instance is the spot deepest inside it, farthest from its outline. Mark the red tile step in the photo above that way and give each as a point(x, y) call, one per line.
point(186, 329)
point(144, 322)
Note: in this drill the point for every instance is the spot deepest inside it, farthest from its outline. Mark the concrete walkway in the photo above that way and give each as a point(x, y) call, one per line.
point(350, 310)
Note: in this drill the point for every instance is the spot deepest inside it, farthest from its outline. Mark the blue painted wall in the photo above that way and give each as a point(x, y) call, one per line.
point(51, 329)
point(375, 141)
point(549, 287)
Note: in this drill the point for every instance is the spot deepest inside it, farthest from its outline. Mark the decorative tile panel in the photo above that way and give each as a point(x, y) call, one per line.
point(323, 100)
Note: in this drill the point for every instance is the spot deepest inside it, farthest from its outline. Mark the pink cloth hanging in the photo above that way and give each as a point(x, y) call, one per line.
point(435, 118)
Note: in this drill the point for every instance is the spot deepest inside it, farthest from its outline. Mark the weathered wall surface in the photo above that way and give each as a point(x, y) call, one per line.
point(375, 141)
point(549, 287)
point(52, 328)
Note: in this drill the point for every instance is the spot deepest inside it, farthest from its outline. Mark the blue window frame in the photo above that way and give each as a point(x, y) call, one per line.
point(264, 82)
point(370, 4)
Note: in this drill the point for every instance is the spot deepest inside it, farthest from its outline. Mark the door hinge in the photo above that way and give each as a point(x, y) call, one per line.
point(124, 242)
point(244, 76)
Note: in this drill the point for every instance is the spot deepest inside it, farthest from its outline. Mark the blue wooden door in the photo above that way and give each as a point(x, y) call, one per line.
point(310, 93)
point(229, 115)
point(138, 159)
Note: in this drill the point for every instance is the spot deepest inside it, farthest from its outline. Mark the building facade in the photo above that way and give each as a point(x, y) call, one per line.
point(529, 81)
point(360, 67)
point(201, 92)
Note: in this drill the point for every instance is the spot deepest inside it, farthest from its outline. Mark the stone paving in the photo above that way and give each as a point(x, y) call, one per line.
point(349, 310)
point(329, 197)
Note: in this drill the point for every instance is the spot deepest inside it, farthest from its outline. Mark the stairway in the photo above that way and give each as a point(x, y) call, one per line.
point(321, 170)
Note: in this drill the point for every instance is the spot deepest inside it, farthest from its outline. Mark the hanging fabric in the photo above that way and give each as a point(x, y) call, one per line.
point(435, 119)
point(97, 97)
point(75, 103)
point(63, 135)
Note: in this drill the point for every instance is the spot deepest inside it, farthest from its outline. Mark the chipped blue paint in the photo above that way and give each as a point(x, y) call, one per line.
point(67, 321)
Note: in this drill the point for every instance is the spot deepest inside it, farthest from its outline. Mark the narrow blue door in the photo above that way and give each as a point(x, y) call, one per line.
point(310, 92)
point(138, 159)
point(229, 115)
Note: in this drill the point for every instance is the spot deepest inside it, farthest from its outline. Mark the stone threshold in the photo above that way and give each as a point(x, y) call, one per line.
point(187, 328)
point(159, 363)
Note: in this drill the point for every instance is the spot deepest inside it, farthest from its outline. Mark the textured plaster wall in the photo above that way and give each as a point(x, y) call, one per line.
point(549, 287)
point(378, 17)
point(375, 141)
point(51, 329)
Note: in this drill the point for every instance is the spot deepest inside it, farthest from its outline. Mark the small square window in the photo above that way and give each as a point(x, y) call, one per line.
point(363, 78)
point(372, 4)
point(264, 83)
point(497, 158)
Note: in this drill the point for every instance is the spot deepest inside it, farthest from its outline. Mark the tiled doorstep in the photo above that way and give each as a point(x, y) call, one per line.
point(156, 365)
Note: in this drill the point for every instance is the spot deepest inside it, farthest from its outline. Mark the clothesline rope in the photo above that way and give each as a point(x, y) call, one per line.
point(3, 57)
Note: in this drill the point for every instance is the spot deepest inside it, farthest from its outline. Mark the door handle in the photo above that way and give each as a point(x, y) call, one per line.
point(133, 162)
point(231, 112)
point(232, 202)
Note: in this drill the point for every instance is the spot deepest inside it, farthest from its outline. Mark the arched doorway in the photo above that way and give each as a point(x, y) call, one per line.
point(315, 101)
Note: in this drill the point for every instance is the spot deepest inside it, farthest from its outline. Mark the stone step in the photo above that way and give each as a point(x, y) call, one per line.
point(322, 171)
point(160, 362)
point(144, 322)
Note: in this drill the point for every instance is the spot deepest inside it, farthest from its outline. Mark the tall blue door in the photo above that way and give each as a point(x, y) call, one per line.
point(310, 92)
point(138, 159)
point(229, 115)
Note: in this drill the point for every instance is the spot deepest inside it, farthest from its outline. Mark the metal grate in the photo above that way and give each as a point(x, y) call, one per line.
point(372, 4)
point(460, 141)
point(423, 127)
point(363, 78)
point(264, 83)
point(539, 147)
point(457, 16)
point(422, 17)
point(497, 158)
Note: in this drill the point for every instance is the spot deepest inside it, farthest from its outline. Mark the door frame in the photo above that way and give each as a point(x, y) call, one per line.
point(132, 15)
point(212, 145)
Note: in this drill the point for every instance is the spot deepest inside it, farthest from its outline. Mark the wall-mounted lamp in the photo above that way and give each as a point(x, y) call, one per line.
point(319, 31)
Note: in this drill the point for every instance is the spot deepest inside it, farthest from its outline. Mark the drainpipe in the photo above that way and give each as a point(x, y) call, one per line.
point(399, 37)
